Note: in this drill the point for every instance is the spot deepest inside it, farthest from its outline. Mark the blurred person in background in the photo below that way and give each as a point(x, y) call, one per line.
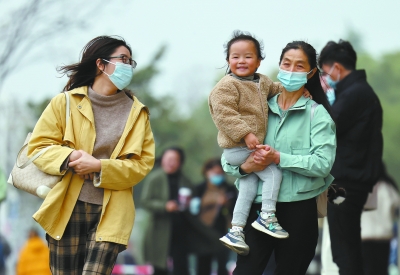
point(34, 256)
point(5, 251)
point(377, 226)
point(105, 149)
point(214, 203)
point(3, 186)
point(358, 116)
point(167, 233)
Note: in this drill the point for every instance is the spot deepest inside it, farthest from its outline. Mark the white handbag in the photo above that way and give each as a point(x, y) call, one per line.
point(372, 200)
point(26, 176)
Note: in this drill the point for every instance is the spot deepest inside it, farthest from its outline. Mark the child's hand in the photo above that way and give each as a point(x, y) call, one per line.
point(306, 93)
point(263, 147)
point(251, 141)
point(74, 155)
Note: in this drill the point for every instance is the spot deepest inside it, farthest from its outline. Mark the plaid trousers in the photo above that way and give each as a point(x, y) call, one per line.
point(78, 253)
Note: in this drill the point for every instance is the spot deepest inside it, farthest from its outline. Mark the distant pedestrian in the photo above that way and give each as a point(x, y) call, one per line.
point(216, 200)
point(34, 256)
point(166, 236)
point(376, 239)
point(5, 251)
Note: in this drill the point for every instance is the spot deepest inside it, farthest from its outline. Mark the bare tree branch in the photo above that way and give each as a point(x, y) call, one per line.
point(36, 23)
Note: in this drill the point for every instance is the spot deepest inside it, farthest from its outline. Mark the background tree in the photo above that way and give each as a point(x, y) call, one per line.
point(39, 22)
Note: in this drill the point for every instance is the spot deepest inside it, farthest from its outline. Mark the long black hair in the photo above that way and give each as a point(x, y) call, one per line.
point(313, 84)
point(84, 72)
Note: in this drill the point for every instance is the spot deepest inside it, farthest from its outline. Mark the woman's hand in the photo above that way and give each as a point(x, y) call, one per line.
point(250, 166)
point(171, 206)
point(265, 155)
point(85, 165)
point(74, 155)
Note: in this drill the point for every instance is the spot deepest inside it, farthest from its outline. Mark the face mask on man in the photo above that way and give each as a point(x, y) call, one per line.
point(122, 75)
point(330, 95)
point(292, 81)
point(332, 83)
point(217, 179)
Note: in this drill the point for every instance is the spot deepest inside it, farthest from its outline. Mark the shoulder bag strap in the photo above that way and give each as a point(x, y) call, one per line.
point(38, 154)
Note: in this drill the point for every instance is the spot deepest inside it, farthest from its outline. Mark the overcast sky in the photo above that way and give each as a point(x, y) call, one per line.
point(195, 32)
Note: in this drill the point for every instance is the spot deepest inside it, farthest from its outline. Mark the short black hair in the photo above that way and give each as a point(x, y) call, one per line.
point(210, 164)
point(244, 36)
point(341, 52)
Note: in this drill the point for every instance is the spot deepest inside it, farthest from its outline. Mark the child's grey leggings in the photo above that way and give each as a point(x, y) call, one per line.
point(248, 185)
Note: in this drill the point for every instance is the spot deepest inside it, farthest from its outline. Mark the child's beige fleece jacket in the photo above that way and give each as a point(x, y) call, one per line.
point(239, 107)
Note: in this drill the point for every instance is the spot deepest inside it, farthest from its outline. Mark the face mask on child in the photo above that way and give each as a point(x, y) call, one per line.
point(292, 81)
point(122, 75)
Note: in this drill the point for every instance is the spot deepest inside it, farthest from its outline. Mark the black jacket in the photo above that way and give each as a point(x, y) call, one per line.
point(358, 116)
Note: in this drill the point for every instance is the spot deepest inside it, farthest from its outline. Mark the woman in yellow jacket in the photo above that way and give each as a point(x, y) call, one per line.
point(105, 149)
point(34, 256)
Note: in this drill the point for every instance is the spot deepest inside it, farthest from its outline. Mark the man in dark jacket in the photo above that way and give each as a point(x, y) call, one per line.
point(358, 116)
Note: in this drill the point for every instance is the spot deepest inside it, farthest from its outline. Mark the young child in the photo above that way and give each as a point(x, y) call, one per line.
point(238, 107)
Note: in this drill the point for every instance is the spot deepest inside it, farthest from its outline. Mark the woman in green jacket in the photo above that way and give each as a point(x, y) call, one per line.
point(166, 235)
point(301, 140)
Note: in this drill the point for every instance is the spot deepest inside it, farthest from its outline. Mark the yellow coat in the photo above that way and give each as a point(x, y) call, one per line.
point(131, 160)
point(34, 258)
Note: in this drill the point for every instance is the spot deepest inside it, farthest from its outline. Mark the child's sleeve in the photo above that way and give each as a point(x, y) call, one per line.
point(223, 103)
point(274, 89)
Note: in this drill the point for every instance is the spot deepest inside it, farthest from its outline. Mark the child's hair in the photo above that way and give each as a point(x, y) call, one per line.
point(244, 36)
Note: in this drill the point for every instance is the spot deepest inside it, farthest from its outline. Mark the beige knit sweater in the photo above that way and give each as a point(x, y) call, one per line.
point(240, 107)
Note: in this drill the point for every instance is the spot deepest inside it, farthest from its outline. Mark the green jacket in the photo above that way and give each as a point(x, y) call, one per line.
point(154, 197)
point(307, 147)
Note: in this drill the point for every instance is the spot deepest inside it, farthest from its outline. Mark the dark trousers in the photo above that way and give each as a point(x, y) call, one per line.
point(292, 255)
point(179, 246)
point(375, 257)
point(204, 263)
point(160, 271)
point(345, 232)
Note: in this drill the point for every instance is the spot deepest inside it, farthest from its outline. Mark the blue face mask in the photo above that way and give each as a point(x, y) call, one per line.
point(332, 83)
point(330, 94)
point(122, 75)
point(292, 81)
point(217, 179)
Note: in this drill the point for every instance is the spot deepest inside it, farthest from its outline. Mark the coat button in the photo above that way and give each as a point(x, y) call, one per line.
point(79, 107)
point(100, 239)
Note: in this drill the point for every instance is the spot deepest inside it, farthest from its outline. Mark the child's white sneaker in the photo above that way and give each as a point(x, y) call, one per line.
point(270, 226)
point(234, 240)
